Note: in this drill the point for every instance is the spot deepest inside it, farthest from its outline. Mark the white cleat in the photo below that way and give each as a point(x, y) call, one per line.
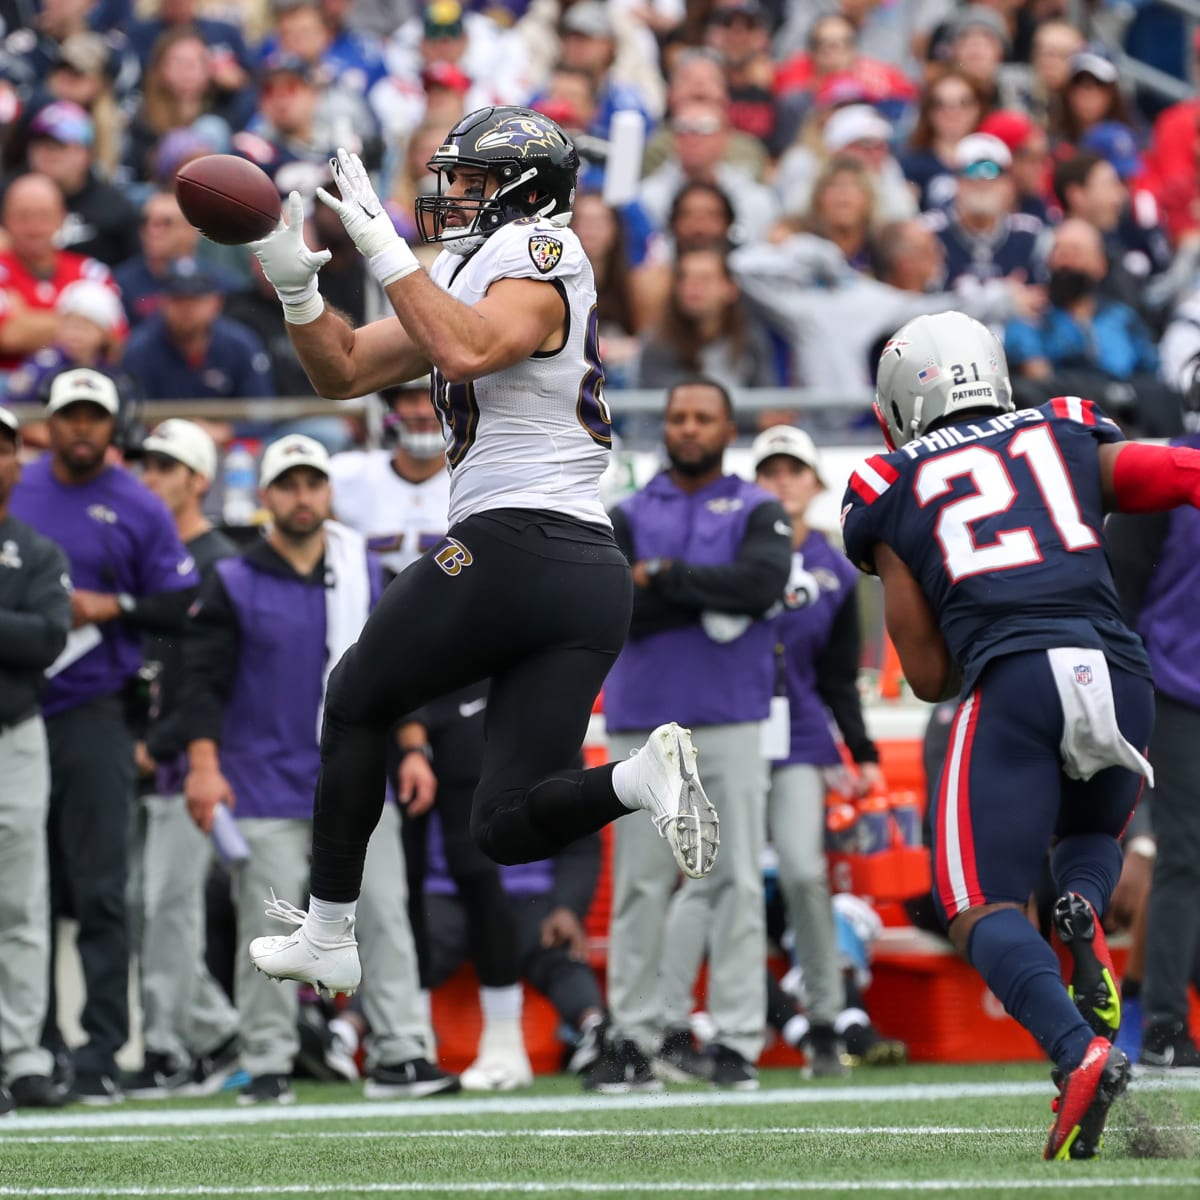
point(329, 966)
point(670, 791)
point(502, 1066)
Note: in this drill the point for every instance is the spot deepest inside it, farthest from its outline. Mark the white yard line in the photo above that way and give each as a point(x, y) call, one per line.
point(564, 1188)
point(309, 1135)
point(129, 1116)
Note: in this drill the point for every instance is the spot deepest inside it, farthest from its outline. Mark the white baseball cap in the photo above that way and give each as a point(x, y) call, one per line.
point(854, 123)
point(93, 300)
point(185, 442)
point(977, 149)
point(295, 450)
point(789, 441)
point(83, 384)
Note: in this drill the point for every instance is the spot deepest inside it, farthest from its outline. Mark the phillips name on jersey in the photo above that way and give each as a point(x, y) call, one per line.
point(538, 434)
point(999, 520)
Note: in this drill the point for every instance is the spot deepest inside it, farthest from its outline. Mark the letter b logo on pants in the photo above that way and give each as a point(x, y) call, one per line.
point(452, 556)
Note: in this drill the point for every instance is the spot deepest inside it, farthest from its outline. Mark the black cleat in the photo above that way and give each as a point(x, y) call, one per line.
point(678, 1060)
point(621, 1068)
point(1167, 1046)
point(409, 1080)
point(825, 1051)
point(732, 1070)
point(267, 1089)
point(1093, 984)
point(39, 1091)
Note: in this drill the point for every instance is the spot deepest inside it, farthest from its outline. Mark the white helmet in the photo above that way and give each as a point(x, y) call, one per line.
point(934, 366)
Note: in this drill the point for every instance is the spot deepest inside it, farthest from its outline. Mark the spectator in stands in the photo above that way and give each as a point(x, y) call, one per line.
point(180, 90)
point(335, 52)
point(1055, 44)
point(299, 124)
point(1171, 162)
point(91, 333)
point(983, 236)
point(706, 329)
point(603, 238)
point(696, 74)
point(976, 43)
point(844, 210)
point(1088, 187)
point(951, 108)
point(84, 75)
point(35, 618)
point(737, 31)
point(833, 52)
point(130, 574)
point(230, 58)
point(166, 236)
point(189, 1027)
point(1092, 95)
point(265, 630)
point(701, 130)
point(1032, 170)
point(832, 316)
point(190, 351)
point(856, 133)
point(1084, 342)
point(817, 650)
point(711, 553)
point(33, 270)
point(551, 899)
point(701, 215)
point(412, 178)
point(101, 222)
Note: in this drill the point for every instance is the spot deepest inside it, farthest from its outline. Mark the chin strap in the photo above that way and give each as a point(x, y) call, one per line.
point(1155, 478)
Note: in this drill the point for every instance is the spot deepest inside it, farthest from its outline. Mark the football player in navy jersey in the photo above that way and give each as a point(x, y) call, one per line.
point(984, 525)
point(528, 588)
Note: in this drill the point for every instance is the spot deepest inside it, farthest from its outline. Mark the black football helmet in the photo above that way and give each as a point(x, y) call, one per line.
point(532, 167)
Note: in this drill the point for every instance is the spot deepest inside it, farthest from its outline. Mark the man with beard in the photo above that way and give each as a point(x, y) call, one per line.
point(132, 575)
point(984, 237)
point(265, 631)
point(711, 554)
point(1086, 344)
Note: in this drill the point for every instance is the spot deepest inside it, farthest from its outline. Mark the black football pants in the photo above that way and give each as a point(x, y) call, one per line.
point(538, 604)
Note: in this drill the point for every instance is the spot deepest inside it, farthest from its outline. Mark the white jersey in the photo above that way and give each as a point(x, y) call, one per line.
point(400, 520)
point(536, 435)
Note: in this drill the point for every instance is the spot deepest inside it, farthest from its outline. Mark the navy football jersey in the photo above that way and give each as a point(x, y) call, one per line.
point(999, 520)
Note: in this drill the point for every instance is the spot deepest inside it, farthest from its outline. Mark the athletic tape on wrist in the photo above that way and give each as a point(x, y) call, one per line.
point(303, 312)
point(394, 263)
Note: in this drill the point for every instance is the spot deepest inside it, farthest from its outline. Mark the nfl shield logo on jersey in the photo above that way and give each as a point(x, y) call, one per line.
point(1083, 675)
point(545, 252)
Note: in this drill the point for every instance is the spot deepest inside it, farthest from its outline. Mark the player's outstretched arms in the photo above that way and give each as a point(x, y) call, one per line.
point(931, 672)
point(340, 362)
point(1139, 478)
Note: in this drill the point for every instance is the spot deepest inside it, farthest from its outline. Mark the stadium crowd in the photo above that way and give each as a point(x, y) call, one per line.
point(813, 177)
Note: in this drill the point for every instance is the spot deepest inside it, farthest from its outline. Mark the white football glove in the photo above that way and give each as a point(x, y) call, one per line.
point(290, 266)
point(363, 215)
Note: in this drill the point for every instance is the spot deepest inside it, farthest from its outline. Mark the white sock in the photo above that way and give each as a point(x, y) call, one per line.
point(345, 1032)
point(502, 1003)
point(327, 918)
point(627, 782)
point(795, 1029)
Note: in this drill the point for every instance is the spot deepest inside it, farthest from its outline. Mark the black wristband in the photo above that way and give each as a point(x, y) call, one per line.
point(424, 749)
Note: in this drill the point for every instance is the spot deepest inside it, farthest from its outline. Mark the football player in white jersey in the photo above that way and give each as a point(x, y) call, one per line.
point(399, 498)
point(528, 588)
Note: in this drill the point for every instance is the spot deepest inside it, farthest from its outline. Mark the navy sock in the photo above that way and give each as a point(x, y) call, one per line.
point(1088, 864)
point(1023, 973)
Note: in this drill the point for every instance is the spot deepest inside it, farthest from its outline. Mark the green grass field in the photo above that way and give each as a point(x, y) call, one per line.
point(949, 1131)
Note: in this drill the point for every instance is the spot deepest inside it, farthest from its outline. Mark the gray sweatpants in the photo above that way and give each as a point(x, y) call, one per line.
point(654, 954)
point(796, 820)
point(185, 1013)
point(24, 898)
point(390, 993)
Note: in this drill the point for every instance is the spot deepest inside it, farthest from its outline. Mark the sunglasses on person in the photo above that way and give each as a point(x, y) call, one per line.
point(984, 169)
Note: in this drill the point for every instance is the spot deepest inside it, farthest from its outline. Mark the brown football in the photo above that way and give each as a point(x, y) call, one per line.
point(227, 198)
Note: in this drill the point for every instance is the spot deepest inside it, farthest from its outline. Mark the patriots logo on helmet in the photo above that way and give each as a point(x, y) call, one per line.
point(521, 134)
point(545, 252)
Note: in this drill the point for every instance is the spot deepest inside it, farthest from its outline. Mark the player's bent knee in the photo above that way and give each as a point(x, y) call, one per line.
point(961, 925)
